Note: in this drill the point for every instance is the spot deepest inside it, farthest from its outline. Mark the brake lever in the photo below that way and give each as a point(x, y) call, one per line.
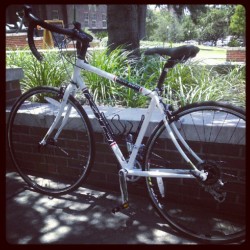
point(78, 27)
point(20, 19)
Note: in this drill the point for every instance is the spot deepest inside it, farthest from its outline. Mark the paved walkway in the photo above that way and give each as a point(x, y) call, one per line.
point(83, 217)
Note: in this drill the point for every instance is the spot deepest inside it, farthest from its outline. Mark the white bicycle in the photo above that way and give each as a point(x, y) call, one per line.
point(193, 161)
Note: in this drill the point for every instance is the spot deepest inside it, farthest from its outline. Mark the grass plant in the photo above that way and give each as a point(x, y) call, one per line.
point(185, 83)
point(49, 72)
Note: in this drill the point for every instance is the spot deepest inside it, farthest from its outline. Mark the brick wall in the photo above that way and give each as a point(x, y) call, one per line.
point(14, 41)
point(13, 91)
point(104, 172)
point(20, 41)
point(236, 55)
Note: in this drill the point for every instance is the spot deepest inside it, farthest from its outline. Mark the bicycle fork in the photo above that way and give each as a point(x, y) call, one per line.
point(63, 107)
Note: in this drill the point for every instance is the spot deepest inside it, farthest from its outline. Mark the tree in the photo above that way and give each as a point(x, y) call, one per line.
point(175, 23)
point(151, 24)
point(195, 10)
point(189, 29)
point(126, 25)
point(167, 27)
point(214, 24)
point(238, 21)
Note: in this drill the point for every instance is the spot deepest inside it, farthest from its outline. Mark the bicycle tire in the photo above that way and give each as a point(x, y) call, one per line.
point(60, 166)
point(216, 132)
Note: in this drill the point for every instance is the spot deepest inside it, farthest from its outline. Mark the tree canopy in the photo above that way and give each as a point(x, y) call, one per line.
point(214, 25)
point(173, 23)
point(238, 22)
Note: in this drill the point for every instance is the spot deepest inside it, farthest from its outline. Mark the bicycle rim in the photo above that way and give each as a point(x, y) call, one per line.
point(208, 211)
point(61, 165)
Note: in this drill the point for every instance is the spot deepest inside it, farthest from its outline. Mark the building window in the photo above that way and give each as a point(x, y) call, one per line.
point(93, 20)
point(93, 23)
point(55, 14)
point(92, 7)
point(86, 16)
point(86, 19)
point(104, 21)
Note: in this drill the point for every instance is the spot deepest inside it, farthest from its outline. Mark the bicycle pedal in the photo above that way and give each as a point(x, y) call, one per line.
point(119, 208)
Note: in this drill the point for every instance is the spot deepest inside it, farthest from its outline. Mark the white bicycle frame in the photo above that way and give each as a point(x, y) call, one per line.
point(127, 165)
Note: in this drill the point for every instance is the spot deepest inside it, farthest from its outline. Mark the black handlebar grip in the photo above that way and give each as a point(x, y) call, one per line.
point(31, 42)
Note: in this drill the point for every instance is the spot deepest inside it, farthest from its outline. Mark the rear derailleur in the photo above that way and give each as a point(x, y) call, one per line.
point(213, 183)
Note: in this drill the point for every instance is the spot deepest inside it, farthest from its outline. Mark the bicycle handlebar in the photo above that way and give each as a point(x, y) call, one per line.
point(76, 33)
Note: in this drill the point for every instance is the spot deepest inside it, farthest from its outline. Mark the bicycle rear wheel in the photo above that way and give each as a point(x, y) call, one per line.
point(61, 165)
point(213, 210)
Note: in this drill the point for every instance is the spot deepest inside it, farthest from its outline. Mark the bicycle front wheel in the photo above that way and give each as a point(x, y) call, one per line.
point(211, 210)
point(60, 165)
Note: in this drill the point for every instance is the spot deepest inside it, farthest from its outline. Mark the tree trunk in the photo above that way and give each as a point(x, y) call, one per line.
point(126, 25)
point(142, 13)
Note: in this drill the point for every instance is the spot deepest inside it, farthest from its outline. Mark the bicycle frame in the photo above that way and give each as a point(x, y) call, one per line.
point(127, 165)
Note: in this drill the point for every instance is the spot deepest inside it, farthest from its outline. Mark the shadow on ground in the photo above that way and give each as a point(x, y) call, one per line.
point(83, 217)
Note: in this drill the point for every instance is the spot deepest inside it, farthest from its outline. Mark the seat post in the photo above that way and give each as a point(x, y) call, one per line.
point(168, 65)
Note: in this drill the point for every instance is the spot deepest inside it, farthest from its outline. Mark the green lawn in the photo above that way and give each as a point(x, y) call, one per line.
point(212, 52)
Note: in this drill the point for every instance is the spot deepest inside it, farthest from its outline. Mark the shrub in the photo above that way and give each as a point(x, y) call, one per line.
point(234, 43)
point(50, 72)
point(105, 91)
point(185, 83)
point(189, 83)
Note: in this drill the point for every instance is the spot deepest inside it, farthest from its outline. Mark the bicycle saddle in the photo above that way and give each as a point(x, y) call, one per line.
point(181, 53)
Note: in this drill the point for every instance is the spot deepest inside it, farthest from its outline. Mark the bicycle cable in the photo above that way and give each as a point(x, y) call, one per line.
point(63, 56)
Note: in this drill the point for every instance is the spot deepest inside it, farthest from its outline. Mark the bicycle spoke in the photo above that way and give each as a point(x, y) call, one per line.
point(214, 209)
point(55, 166)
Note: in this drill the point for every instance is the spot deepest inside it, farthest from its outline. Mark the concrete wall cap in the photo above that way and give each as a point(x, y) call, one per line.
point(14, 73)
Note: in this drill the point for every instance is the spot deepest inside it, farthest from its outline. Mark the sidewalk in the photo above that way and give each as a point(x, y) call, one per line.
point(82, 217)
